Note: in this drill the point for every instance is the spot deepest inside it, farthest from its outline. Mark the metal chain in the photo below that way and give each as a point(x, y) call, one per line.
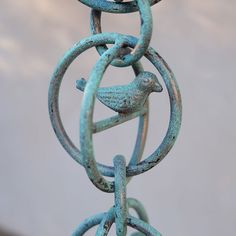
point(129, 101)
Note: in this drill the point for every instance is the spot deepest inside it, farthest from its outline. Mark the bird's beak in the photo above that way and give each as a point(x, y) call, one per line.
point(157, 88)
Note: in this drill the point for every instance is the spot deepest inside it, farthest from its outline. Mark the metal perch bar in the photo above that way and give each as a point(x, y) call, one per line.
point(116, 120)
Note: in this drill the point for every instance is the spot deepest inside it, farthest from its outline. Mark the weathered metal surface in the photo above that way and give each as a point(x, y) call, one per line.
point(54, 90)
point(130, 101)
point(133, 222)
point(126, 99)
point(102, 217)
point(89, 223)
point(129, 58)
point(118, 119)
point(139, 208)
point(136, 205)
point(167, 76)
point(120, 195)
point(118, 7)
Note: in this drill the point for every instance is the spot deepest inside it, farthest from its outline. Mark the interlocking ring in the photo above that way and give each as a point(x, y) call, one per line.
point(129, 101)
point(97, 219)
point(54, 112)
point(143, 42)
point(88, 106)
point(105, 221)
point(135, 223)
point(115, 7)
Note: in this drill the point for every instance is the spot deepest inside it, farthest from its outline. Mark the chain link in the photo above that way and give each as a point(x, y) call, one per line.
point(128, 58)
point(115, 7)
point(130, 101)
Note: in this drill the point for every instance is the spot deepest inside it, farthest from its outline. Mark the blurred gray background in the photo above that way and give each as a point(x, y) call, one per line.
point(191, 192)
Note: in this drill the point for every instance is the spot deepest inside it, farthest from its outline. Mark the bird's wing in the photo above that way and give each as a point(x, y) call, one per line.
point(115, 98)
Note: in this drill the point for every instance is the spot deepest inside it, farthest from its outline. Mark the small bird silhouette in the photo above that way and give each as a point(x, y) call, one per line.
point(127, 98)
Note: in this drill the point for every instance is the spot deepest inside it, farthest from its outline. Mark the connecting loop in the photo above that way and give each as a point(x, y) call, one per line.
point(135, 223)
point(107, 219)
point(120, 196)
point(115, 7)
point(140, 48)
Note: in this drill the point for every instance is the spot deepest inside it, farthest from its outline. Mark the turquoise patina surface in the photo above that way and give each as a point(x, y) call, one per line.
point(128, 101)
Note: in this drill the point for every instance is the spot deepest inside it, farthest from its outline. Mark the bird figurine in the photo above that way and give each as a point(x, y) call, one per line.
point(128, 98)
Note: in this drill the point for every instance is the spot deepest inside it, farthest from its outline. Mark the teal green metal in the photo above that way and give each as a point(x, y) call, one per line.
point(128, 102)
point(139, 208)
point(127, 59)
point(133, 222)
point(170, 83)
point(126, 99)
point(120, 196)
point(132, 203)
point(118, 7)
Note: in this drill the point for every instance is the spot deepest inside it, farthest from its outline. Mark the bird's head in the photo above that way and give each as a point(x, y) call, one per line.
point(148, 81)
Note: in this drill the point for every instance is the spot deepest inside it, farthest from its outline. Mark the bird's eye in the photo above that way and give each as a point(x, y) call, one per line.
point(146, 80)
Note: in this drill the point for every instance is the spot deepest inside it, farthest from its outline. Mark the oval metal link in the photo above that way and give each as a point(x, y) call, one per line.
point(139, 208)
point(88, 224)
point(115, 7)
point(86, 118)
point(128, 58)
point(120, 195)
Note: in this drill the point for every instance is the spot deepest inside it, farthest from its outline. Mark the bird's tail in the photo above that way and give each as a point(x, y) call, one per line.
point(80, 84)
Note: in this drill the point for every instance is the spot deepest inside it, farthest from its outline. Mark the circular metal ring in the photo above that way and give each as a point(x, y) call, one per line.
point(136, 205)
point(88, 224)
point(139, 208)
point(115, 7)
point(145, 35)
point(168, 78)
point(97, 219)
point(54, 112)
point(133, 222)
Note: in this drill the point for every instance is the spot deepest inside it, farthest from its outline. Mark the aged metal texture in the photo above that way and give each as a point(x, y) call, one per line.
point(127, 98)
point(129, 101)
point(144, 39)
point(118, 7)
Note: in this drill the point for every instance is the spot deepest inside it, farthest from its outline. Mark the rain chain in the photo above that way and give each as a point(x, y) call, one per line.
point(128, 101)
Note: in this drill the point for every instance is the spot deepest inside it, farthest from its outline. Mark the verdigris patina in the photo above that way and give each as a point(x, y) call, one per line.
point(128, 101)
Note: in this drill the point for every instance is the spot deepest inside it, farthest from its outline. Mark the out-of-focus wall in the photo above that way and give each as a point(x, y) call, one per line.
point(191, 192)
